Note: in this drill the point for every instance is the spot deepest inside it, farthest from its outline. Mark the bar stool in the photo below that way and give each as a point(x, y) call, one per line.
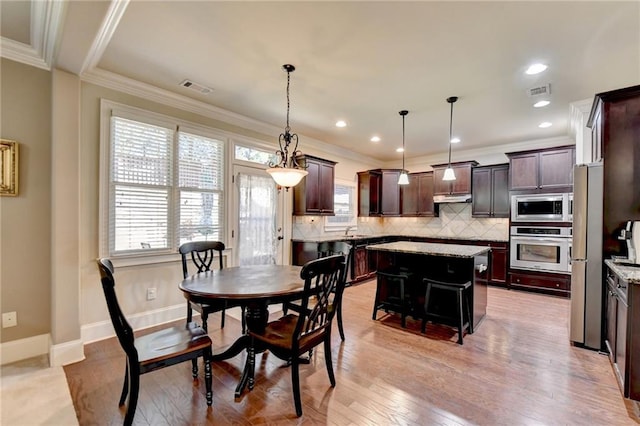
point(396, 296)
point(462, 318)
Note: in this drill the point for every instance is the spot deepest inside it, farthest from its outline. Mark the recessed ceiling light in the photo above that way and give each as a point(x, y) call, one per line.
point(455, 140)
point(375, 139)
point(341, 123)
point(541, 104)
point(544, 125)
point(399, 149)
point(536, 69)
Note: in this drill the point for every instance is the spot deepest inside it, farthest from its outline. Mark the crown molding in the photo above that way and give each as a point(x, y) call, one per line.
point(488, 151)
point(149, 92)
point(46, 27)
point(46, 24)
point(578, 115)
point(107, 28)
point(22, 53)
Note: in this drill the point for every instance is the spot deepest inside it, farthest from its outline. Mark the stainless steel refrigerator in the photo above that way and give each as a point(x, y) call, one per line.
point(586, 256)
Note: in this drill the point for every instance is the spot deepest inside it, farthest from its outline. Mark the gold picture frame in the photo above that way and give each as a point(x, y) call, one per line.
point(8, 168)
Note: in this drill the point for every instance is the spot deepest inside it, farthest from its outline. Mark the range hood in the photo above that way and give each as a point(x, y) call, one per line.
point(464, 198)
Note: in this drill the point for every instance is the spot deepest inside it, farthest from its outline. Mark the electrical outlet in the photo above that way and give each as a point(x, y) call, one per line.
point(9, 319)
point(151, 293)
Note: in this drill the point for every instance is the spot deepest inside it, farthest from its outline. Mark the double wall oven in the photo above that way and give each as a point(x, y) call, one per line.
point(540, 232)
point(541, 248)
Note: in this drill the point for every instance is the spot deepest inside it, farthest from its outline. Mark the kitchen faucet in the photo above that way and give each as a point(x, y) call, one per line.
point(346, 231)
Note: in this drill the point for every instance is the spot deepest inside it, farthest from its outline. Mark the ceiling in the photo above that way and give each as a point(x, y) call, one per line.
point(362, 62)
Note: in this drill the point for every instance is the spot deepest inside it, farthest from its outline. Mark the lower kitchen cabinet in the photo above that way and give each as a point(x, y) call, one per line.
point(541, 282)
point(622, 339)
point(498, 263)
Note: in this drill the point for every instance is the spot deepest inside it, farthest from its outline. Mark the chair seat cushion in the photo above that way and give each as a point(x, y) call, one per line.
point(166, 343)
point(279, 334)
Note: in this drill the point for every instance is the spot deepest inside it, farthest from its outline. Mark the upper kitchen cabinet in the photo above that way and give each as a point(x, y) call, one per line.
point(548, 170)
point(379, 193)
point(314, 195)
point(417, 197)
point(460, 186)
point(615, 129)
point(490, 196)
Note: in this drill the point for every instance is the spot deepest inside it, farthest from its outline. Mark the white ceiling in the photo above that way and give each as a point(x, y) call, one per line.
point(365, 61)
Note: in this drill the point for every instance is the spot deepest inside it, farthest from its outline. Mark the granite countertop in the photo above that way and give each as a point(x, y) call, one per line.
point(449, 250)
point(631, 274)
point(358, 237)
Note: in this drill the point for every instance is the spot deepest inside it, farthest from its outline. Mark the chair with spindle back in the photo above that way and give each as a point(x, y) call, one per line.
point(293, 335)
point(325, 249)
point(155, 350)
point(202, 254)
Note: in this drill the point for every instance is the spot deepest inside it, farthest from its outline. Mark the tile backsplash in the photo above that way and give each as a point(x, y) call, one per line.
point(454, 221)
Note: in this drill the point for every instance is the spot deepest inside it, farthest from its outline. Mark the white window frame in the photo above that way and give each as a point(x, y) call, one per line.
point(145, 256)
point(353, 224)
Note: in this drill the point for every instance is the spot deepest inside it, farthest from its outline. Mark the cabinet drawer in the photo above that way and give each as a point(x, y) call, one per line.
point(556, 284)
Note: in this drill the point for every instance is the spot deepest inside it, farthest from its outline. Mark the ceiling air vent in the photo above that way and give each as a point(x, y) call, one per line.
point(540, 90)
point(204, 90)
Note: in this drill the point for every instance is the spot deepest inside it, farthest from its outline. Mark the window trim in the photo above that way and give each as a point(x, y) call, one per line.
point(353, 225)
point(107, 110)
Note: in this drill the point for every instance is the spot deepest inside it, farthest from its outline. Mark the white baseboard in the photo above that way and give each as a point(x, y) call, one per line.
point(66, 353)
point(104, 329)
point(17, 350)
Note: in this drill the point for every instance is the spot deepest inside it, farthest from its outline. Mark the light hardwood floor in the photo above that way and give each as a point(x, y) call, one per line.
point(518, 368)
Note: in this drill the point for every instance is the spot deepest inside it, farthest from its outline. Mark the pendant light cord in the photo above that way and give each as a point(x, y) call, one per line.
point(450, 133)
point(403, 144)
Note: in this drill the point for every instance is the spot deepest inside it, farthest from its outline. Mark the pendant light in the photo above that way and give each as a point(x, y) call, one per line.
point(287, 172)
point(404, 178)
point(449, 173)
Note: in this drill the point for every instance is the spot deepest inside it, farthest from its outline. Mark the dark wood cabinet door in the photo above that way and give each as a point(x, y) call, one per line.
point(425, 194)
point(361, 262)
point(368, 193)
point(312, 188)
point(610, 323)
point(326, 188)
point(498, 267)
point(462, 184)
point(523, 171)
point(556, 168)
point(410, 196)
point(314, 195)
point(500, 191)
point(440, 187)
point(390, 193)
point(481, 197)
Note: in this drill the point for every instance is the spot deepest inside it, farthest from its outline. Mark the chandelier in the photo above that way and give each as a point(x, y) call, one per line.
point(285, 170)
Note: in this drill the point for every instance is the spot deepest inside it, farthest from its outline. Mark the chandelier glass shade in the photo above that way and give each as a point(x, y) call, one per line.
point(286, 171)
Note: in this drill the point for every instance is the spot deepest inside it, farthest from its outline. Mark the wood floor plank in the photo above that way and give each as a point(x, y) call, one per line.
point(517, 368)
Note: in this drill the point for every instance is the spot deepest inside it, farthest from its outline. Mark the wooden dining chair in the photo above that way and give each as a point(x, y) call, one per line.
point(202, 254)
point(330, 248)
point(291, 336)
point(155, 350)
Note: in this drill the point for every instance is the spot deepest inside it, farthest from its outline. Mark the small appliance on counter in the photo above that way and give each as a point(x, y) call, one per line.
point(631, 235)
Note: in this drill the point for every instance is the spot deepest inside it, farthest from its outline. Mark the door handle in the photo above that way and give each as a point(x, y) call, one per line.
point(280, 237)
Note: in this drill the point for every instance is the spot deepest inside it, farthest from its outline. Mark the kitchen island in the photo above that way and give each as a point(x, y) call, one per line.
point(442, 262)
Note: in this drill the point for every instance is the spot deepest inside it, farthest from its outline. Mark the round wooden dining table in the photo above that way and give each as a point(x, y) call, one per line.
point(254, 287)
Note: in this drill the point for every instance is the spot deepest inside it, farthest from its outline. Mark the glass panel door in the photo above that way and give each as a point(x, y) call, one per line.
point(259, 222)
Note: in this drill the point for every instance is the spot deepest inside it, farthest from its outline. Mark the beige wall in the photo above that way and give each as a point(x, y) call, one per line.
point(25, 220)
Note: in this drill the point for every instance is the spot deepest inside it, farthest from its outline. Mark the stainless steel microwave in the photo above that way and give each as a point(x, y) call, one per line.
point(541, 208)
